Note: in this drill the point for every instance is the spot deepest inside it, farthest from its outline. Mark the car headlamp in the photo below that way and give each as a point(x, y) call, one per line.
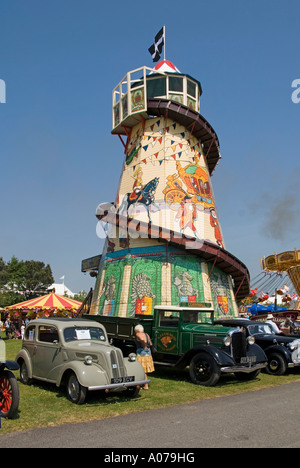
point(293, 345)
point(227, 341)
point(132, 357)
point(88, 360)
point(251, 340)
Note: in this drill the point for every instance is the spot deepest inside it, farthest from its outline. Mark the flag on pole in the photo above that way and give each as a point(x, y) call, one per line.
point(156, 48)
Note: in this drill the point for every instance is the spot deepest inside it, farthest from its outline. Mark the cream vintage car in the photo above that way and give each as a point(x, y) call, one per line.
point(76, 353)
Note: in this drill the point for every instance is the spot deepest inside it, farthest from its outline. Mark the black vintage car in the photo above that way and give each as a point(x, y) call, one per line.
point(283, 352)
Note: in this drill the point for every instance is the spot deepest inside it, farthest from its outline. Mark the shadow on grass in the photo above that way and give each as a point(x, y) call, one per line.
point(172, 374)
point(179, 375)
point(93, 398)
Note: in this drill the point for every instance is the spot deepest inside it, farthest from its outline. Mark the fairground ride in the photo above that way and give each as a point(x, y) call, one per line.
point(285, 262)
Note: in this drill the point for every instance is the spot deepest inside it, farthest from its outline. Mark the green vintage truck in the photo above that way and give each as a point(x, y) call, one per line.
point(187, 337)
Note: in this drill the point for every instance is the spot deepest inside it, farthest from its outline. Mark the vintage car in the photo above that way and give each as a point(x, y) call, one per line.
point(76, 353)
point(283, 352)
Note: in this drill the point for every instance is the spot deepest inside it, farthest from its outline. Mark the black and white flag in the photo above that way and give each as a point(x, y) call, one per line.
point(156, 48)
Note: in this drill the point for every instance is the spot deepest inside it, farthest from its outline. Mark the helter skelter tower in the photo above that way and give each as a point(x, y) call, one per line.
point(165, 244)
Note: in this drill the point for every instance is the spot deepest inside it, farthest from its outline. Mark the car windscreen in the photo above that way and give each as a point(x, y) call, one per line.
point(83, 333)
point(260, 328)
point(190, 316)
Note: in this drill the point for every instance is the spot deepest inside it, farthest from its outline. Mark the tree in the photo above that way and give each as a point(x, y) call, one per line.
point(80, 296)
point(37, 278)
point(3, 273)
point(21, 280)
point(15, 274)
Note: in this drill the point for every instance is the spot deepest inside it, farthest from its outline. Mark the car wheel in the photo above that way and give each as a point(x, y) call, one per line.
point(9, 395)
point(76, 392)
point(204, 370)
point(277, 365)
point(24, 374)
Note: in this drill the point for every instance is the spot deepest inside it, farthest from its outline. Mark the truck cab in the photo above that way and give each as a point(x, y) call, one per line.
point(177, 329)
point(188, 337)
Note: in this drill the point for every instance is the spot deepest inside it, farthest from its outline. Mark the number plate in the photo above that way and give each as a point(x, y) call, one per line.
point(120, 380)
point(248, 360)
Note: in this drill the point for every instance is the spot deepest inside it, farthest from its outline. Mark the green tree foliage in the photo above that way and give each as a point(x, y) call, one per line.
point(80, 296)
point(3, 273)
point(22, 280)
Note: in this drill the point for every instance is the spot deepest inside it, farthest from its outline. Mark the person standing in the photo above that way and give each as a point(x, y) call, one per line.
point(22, 330)
point(143, 351)
point(7, 327)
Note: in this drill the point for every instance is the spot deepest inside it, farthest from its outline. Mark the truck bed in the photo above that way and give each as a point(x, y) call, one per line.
point(122, 328)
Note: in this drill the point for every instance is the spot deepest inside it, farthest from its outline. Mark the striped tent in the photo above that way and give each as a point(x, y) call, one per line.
point(50, 302)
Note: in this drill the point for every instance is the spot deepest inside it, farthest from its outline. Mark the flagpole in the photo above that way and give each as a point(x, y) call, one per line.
point(164, 42)
point(63, 283)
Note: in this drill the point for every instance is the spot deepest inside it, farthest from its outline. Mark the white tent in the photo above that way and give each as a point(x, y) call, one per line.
point(61, 289)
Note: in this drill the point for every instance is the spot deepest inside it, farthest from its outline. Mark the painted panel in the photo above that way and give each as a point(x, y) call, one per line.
point(141, 289)
point(165, 180)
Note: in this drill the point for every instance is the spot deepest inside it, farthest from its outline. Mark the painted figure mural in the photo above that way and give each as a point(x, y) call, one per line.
point(141, 295)
point(186, 292)
point(187, 215)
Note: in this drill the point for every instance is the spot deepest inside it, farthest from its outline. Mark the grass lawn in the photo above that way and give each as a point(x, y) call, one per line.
point(42, 404)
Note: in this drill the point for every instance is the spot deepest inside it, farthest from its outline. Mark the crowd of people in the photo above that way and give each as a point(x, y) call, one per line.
point(14, 329)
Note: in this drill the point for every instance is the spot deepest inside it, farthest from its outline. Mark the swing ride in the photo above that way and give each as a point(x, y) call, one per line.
point(277, 288)
point(287, 262)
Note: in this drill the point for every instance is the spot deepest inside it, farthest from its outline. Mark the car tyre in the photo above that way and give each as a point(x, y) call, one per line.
point(204, 370)
point(277, 364)
point(75, 391)
point(24, 374)
point(9, 395)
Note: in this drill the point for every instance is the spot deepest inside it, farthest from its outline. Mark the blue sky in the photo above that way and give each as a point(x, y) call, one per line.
point(60, 61)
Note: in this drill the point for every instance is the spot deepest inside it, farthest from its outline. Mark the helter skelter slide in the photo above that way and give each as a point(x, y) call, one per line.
point(164, 245)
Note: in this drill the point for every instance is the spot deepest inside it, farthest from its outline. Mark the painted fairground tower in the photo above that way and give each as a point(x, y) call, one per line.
point(164, 242)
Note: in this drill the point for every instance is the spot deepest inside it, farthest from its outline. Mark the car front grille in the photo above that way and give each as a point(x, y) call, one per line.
point(238, 345)
point(117, 365)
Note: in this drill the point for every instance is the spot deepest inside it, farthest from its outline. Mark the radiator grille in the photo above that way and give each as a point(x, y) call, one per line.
point(117, 366)
point(239, 346)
